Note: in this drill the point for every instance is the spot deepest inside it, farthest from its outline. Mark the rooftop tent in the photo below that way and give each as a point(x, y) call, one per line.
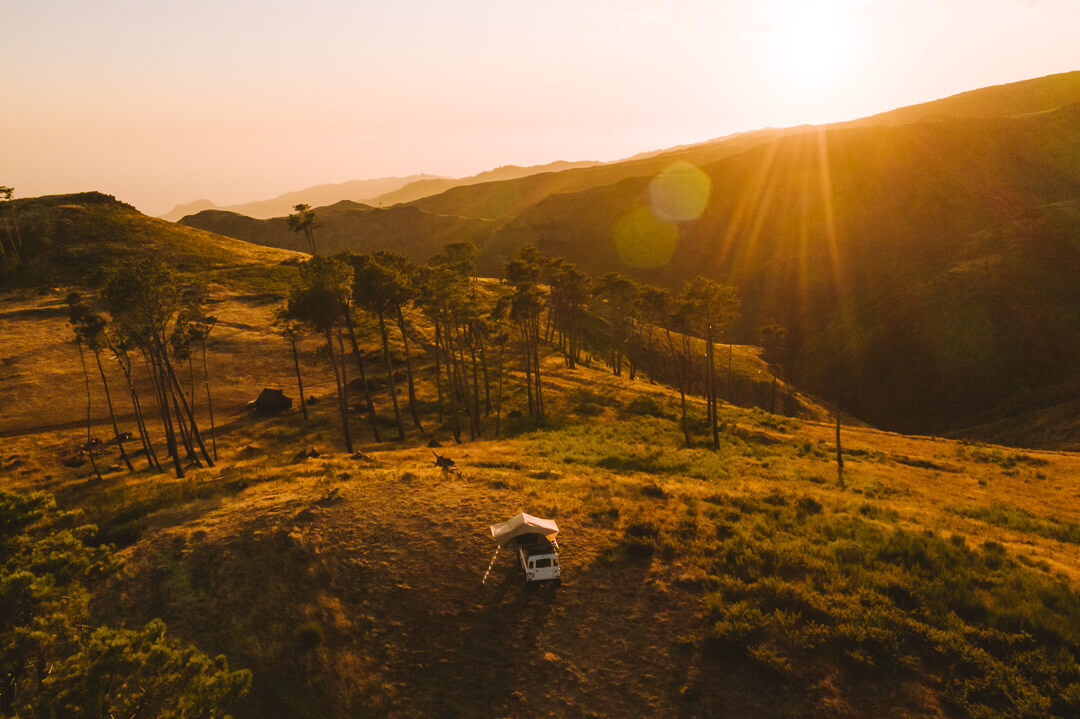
point(521, 525)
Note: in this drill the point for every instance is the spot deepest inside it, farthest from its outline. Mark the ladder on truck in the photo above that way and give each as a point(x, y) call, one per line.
point(490, 565)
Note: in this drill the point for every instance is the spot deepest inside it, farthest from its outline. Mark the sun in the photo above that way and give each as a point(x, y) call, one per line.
point(814, 46)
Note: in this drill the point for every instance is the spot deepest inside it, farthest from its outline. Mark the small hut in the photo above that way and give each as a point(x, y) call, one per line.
point(272, 401)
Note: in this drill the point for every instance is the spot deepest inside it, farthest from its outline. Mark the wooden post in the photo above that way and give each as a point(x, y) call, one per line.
point(839, 456)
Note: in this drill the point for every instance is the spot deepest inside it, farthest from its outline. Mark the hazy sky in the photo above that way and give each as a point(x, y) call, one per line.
point(236, 100)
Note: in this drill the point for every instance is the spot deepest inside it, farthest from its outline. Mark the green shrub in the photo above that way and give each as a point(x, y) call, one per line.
point(56, 662)
point(645, 405)
point(1014, 518)
point(654, 491)
point(1003, 639)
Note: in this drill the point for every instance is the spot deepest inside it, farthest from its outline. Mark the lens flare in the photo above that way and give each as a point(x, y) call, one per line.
point(679, 193)
point(643, 240)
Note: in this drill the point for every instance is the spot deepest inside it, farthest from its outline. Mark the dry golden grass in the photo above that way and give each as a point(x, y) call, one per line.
point(352, 586)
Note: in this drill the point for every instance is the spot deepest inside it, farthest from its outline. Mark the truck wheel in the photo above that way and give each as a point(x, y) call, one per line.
point(558, 582)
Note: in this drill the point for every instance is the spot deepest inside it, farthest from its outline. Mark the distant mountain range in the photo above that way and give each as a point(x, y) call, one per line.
point(925, 261)
point(1001, 100)
point(353, 226)
point(383, 191)
point(355, 190)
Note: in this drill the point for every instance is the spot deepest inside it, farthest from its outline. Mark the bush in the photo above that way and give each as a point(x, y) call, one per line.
point(56, 662)
point(641, 538)
point(1002, 638)
point(808, 505)
point(645, 405)
point(654, 490)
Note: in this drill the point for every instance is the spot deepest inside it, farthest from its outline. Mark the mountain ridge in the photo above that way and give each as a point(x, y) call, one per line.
point(283, 204)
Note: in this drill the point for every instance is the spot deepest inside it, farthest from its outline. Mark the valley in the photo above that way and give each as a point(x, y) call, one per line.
point(803, 403)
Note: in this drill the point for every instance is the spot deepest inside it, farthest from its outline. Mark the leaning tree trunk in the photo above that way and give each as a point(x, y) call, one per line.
point(151, 456)
point(528, 367)
point(438, 369)
point(210, 403)
point(498, 391)
point(185, 435)
point(730, 399)
point(533, 327)
point(342, 407)
point(462, 382)
point(144, 436)
point(487, 378)
point(344, 391)
point(299, 380)
point(89, 439)
point(476, 381)
point(452, 390)
point(359, 357)
point(713, 405)
point(409, 371)
point(196, 436)
point(166, 418)
point(384, 335)
point(682, 371)
point(191, 381)
point(112, 414)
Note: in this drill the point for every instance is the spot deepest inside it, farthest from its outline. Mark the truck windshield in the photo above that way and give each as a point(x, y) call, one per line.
point(543, 563)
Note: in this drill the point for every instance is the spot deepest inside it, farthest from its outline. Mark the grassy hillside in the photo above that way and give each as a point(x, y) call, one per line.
point(940, 580)
point(925, 271)
point(354, 226)
point(934, 578)
point(72, 239)
point(508, 199)
point(1009, 100)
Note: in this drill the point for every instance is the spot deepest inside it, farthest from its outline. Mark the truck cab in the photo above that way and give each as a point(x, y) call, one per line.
point(539, 558)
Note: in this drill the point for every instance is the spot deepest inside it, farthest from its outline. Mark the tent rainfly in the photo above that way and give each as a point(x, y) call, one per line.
point(520, 525)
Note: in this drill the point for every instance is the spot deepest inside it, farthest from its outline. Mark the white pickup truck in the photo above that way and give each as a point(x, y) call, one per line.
point(539, 559)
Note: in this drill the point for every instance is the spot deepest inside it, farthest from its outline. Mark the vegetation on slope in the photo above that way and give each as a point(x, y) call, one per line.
point(508, 199)
point(75, 239)
point(353, 226)
point(697, 581)
point(734, 575)
point(1012, 99)
point(923, 271)
point(56, 661)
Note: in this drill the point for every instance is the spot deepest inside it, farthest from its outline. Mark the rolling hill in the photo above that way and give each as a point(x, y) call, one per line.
point(923, 259)
point(925, 270)
point(503, 200)
point(354, 190)
point(933, 577)
point(1008, 100)
point(425, 187)
point(350, 225)
point(72, 239)
point(937, 580)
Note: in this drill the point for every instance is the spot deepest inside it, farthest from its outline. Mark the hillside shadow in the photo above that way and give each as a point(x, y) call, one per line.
point(512, 648)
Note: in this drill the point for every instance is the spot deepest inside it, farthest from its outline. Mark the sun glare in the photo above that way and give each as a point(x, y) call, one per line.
point(814, 46)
